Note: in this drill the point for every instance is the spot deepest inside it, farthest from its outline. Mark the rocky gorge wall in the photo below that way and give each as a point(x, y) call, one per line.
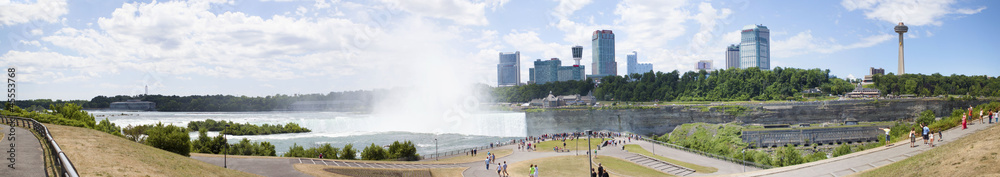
point(663, 119)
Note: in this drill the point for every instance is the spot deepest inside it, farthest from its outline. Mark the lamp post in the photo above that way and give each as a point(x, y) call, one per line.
point(436, 155)
point(225, 160)
point(589, 159)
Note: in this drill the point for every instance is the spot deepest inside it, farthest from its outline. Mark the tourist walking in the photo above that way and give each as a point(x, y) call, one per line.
point(991, 117)
point(981, 117)
point(536, 170)
point(964, 123)
point(940, 137)
point(505, 169)
point(913, 138)
point(932, 139)
point(887, 142)
point(593, 173)
point(925, 132)
point(531, 170)
point(499, 170)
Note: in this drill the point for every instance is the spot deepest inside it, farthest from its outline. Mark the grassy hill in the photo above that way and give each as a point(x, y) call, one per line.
point(96, 153)
point(973, 155)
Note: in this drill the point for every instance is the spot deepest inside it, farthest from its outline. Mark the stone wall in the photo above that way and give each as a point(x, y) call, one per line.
point(663, 119)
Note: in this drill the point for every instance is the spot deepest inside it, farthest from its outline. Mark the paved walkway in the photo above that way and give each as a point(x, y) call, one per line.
point(860, 161)
point(28, 159)
point(261, 166)
point(725, 167)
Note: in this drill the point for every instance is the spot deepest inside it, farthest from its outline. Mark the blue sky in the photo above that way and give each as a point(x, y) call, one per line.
point(80, 49)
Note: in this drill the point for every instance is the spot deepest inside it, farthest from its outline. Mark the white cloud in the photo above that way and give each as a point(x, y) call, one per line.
point(910, 12)
point(36, 32)
point(45, 67)
point(651, 23)
point(12, 13)
point(32, 42)
point(183, 38)
point(528, 42)
point(460, 11)
point(567, 7)
point(804, 42)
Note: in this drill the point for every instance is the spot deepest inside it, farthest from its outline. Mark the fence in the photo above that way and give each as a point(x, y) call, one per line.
point(728, 159)
point(62, 166)
point(465, 151)
point(775, 138)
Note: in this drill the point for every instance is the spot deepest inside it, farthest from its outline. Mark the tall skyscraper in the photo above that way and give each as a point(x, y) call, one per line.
point(633, 65)
point(603, 43)
point(732, 56)
point(755, 47)
point(509, 69)
point(577, 54)
point(704, 65)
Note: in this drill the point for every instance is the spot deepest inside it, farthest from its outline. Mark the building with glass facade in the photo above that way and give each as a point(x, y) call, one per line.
point(755, 47)
point(509, 69)
point(551, 70)
point(704, 65)
point(732, 56)
point(633, 65)
point(603, 43)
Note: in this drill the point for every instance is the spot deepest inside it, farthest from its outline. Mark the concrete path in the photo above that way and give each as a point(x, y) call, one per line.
point(345, 163)
point(725, 167)
point(277, 167)
point(27, 154)
point(864, 160)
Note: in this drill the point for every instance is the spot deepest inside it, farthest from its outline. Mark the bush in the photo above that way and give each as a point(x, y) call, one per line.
point(787, 156)
point(403, 151)
point(328, 151)
point(348, 153)
point(816, 156)
point(246, 128)
point(843, 149)
point(926, 117)
point(170, 138)
point(108, 127)
point(373, 152)
point(136, 133)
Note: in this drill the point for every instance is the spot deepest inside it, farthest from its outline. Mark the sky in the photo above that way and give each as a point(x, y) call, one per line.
point(81, 49)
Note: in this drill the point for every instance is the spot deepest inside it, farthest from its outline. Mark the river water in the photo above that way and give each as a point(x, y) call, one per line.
point(339, 129)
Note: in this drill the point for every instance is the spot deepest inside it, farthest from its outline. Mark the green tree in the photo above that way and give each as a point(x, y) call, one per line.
point(348, 152)
point(170, 138)
point(373, 152)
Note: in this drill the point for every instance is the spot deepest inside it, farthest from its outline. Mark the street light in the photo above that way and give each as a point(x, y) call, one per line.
point(589, 159)
point(225, 160)
point(436, 155)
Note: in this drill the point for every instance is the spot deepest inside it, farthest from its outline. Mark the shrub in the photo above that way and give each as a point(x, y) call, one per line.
point(108, 127)
point(373, 152)
point(787, 156)
point(328, 151)
point(404, 151)
point(170, 138)
point(926, 117)
point(348, 153)
point(843, 149)
point(136, 133)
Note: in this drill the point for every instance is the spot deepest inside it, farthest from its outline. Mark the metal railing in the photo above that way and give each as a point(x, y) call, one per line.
point(63, 166)
point(716, 156)
point(465, 151)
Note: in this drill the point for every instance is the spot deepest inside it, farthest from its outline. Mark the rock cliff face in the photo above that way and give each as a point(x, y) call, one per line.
point(662, 120)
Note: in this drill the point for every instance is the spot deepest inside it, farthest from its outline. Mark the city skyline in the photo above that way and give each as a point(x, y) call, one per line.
point(259, 48)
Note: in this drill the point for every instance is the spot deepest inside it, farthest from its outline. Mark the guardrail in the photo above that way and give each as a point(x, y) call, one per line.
point(728, 159)
point(63, 165)
point(465, 150)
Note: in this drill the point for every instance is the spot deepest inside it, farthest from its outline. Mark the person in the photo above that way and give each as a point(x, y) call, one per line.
point(991, 117)
point(981, 116)
point(600, 169)
point(531, 170)
point(887, 142)
point(536, 171)
point(913, 137)
point(932, 139)
point(926, 131)
point(593, 173)
point(505, 168)
point(940, 137)
point(964, 125)
point(487, 163)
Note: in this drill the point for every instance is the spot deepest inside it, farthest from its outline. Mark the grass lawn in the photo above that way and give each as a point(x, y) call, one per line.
point(697, 168)
point(324, 171)
point(96, 153)
point(577, 166)
point(546, 146)
point(973, 155)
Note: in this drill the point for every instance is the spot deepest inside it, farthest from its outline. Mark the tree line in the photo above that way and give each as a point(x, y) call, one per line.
point(245, 128)
point(196, 103)
point(720, 85)
point(937, 84)
point(397, 151)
